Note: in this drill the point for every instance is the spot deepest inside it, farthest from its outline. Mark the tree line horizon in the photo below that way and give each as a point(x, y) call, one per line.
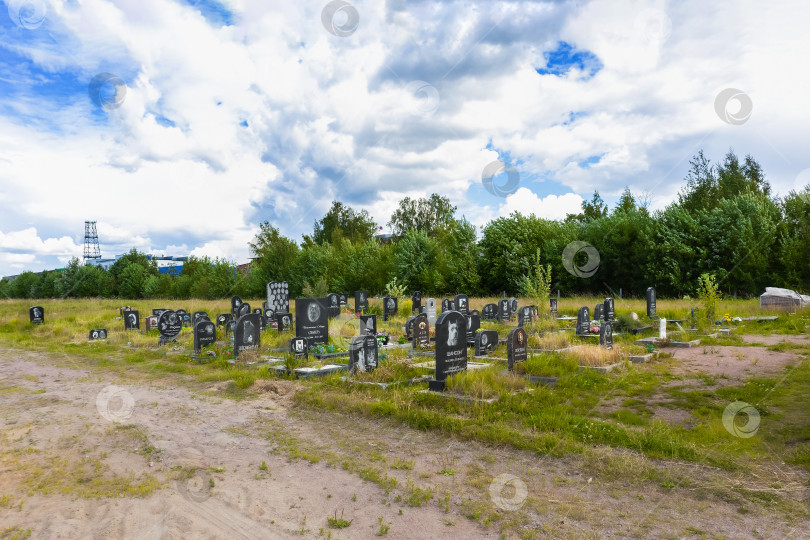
point(725, 222)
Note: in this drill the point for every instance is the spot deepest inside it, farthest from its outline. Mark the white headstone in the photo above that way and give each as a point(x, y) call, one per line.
point(662, 328)
point(430, 309)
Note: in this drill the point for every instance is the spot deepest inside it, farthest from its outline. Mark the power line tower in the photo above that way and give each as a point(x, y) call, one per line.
point(91, 249)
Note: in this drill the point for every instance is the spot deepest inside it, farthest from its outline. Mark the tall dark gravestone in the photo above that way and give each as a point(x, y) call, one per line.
point(36, 315)
point(598, 312)
point(462, 303)
point(344, 300)
point(421, 331)
point(583, 321)
point(489, 312)
point(236, 303)
point(606, 335)
point(283, 321)
point(446, 305)
point(473, 325)
point(312, 320)
point(262, 320)
point(360, 302)
point(244, 309)
point(368, 324)
point(650, 302)
point(516, 347)
point(389, 307)
point(363, 354)
point(552, 302)
point(205, 334)
point(132, 320)
point(430, 309)
point(185, 318)
point(198, 315)
point(610, 310)
point(504, 310)
point(299, 347)
point(451, 348)
point(98, 333)
point(409, 327)
point(333, 301)
point(416, 301)
point(278, 297)
point(693, 319)
point(169, 326)
point(247, 335)
point(513, 305)
point(525, 315)
point(485, 341)
point(223, 318)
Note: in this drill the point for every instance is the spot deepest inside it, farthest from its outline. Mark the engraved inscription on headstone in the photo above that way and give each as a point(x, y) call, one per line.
point(132, 320)
point(247, 335)
point(416, 301)
point(451, 348)
point(205, 333)
point(583, 321)
point(363, 354)
point(283, 321)
point(389, 307)
point(312, 320)
point(606, 335)
point(368, 324)
point(360, 301)
point(485, 341)
point(516, 347)
point(169, 326)
point(430, 309)
point(421, 331)
point(299, 347)
point(462, 303)
point(650, 302)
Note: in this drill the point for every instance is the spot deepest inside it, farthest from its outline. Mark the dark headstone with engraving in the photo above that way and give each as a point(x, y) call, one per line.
point(157, 312)
point(409, 327)
point(236, 303)
point(416, 301)
point(598, 312)
point(504, 310)
point(247, 335)
point(284, 321)
point(223, 318)
point(299, 347)
point(525, 315)
point(610, 310)
point(513, 305)
point(98, 333)
point(583, 321)
point(553, 306)
point(390, 307)
point(651, 302)
point(132, 320)
point(489, 312)
point(333, 303)
point(278, 297)
point(199, 315)
point(430, 309)
point(368, 324)
point(150, 322)
point(516, 347)
point(184, 316)
point(462, 303)
point(473, 324)
point(421, 331)
point(606, 335)
point(312, 320)
point(205, 334)
point(451, 348)
point(169, 326)
point(244, 309)
point(485, 341)
point(360, 301)
point(363, 354)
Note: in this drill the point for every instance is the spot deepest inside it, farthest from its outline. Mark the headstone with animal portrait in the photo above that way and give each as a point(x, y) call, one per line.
point(583, 321)
point(199, 315)
point(606, 335)
point(598, 312)
point(504, 310)
point(247, 335)
point(451, 348)
point(473, 324)
point(430, 309)
point(236, 303)
point(489, 312)
point(485, 341)
point(205, 334)
point(132, 320)
point(609, 310)
point(360, 301)
point(368, 325)
point(312, 320)
point(525, 315)
point(150, 322)
point(169, 326)
point(284, 321)
point(462, 303)
point(333, 302)
point(363, 354)
point(223, 318)
point(97, 334)
point(553, 306)
point(516, 347)
point(390, 307)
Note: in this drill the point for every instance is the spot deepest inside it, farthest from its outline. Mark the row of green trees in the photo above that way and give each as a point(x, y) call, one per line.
point(726, 223)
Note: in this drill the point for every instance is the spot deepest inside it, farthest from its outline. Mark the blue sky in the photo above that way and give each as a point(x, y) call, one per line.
point(241, 111)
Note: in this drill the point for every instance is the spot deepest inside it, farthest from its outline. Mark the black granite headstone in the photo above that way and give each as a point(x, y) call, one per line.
point(606, 335)
point(98, 333)
point(132, 320)
point(236, 303)
point(158, 311)
point(169, 326)
point(416, 301)
point(462, 303)
point(504, 310)
point(409, 327)
point(583, 321)
point(185, 318)
point(230, 327)
point(205, 333)
point(390, 307)
point(598, 312)
point(344, 300)
point(553, 305)
point(451, 348)
point(473, 324)
point(516, 347)
point(610, 310)
point(485, 341)
point(198, 315)
point(262, 319)
point(223, 318)
point(363, 354)
point(244, 309)
point(278, 296)
point(650, 302)
point(333, 301)
point(247, 335)
point(283, 321)
point(421, 331)
point(312, 320)
point(360, 301)
point(299, 347)
point(525, 315)
point(693, 318)
point(513, 305)
point(489, 312)
point(368, 324)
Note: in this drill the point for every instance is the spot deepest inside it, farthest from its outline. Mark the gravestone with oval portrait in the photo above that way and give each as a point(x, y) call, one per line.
point(485, 341)
point(278, 296)
point(363, 354)
point(132, 320)
point(504, 310)
point(651, 302)
point(368, 324)
point(598, 312)
point(451, 348)
point(430, 309)
point(284, 321)
point(333, 301)
point(516, 347)
point(169, 326)
point(236, 303)
point(609, 310)
point(344, 300)
point(416, 301)
point(97, 334)
point(462, 303)
point(205, 334)
point(489, 312)
point(553, 306)
point(513, 305)
point(299, 347)
point(473, 324)
point(360, 301)
point(223, 318)
point(421, 331)
point(244, 309)
point(248, 333)
point(198, 315)
point(150, 322)
point(312, 320)
point(390, 306)
point(606, 335)
point(583, 321)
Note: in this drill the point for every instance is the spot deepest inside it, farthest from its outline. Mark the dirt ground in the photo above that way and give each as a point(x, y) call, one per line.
point(205, 451)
